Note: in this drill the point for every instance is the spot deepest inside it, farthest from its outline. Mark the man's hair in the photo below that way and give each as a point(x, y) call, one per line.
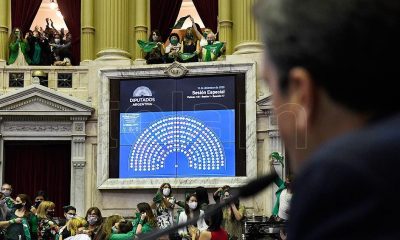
point(347, 46)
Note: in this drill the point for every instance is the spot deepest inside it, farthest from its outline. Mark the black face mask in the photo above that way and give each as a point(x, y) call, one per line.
point(37, 203)
point(210, 42)
point(19, 205)
point(50, 213)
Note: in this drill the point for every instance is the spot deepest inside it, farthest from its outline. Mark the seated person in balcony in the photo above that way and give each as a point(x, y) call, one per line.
point(156, 55)
point(212, 50)
point(18, 49)
point(190, 47)
point(35, 48)
point(172, 50)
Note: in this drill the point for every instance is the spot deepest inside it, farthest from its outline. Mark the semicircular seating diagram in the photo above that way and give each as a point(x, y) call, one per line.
point(200, 145)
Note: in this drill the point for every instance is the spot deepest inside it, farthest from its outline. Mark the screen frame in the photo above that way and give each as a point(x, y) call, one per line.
point(110, 75)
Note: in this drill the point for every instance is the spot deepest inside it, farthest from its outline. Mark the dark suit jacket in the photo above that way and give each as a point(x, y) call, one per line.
point(350, 188)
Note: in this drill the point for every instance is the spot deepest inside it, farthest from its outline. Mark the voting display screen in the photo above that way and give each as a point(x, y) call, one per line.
point(177, 127)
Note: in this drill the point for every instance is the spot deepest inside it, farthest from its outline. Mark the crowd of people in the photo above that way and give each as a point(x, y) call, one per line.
point(47, 46)
point(22, 219)
point(194, 47)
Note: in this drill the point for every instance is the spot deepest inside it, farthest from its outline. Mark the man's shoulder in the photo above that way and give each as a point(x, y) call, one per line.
point(376, 145)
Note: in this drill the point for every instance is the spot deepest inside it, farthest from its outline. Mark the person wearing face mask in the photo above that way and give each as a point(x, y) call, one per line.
point(192, 210)
point(56, 47)
point(145, 221)
point(94, 219)
point(212, 50)
point(47, 228)
point(69, 213)
point(40, 197)
point(190, 47)
point(233, 216)
point(172, 50)
point(6, 189)
point(164, 203)
point(21, 221)
point(18, 48)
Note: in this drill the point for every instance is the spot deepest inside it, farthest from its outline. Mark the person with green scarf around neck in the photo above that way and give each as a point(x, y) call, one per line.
point(143, 223)
point(275, 156)
point(21, 221)
point(145, 220)
point(19, 49)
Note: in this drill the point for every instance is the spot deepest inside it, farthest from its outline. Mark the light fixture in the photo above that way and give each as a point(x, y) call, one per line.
point(58, 13)
point(53, 5)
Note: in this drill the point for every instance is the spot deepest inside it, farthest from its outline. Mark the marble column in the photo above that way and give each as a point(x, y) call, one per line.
point(111, 23)
point(245, 30)
point(3, 31)
point(225, 24)
point(87, 43)
point(132, 20)
point(78, 162)
point(140, 26)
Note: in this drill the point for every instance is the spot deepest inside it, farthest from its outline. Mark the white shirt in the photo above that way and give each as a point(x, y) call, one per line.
point(201, 224)
point(284, 204)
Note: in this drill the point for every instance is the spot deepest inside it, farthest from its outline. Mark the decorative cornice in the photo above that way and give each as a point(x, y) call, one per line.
point(36, 99)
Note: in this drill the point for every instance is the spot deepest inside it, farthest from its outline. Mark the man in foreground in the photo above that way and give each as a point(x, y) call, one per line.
point(330, 69)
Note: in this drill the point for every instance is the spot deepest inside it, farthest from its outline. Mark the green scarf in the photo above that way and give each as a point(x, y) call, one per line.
point(215, 49)
point(14, 50)
point(25, 225)
point(147, 46)
point(186, 56)
point(36, 54)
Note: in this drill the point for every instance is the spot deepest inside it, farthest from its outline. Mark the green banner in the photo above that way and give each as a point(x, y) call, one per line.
point(147, 46)
point(180, 22)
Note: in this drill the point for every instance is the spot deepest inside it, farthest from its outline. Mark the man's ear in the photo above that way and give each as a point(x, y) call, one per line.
point(302, 94)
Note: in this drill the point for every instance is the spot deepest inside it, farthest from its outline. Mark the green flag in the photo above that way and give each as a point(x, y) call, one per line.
point(186, 56)
point(180, 22)
point(147, 46)
point(215, 49)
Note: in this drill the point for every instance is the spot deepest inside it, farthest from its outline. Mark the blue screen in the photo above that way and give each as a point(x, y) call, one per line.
point(177, 128)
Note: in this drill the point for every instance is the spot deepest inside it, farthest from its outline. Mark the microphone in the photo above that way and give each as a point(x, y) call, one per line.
point(248, 190)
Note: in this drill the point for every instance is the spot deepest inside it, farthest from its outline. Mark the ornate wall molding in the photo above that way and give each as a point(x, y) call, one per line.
point(36, 127)
point(36, 99)
point(176, 70)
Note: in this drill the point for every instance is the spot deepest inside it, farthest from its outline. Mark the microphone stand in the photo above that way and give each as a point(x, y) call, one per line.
point(247, 190)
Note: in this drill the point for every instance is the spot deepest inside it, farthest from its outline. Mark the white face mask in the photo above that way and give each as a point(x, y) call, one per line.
point(69, 216)
point(6, 193)
point(166, 191)
point(193, 205)
point(57, 40)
